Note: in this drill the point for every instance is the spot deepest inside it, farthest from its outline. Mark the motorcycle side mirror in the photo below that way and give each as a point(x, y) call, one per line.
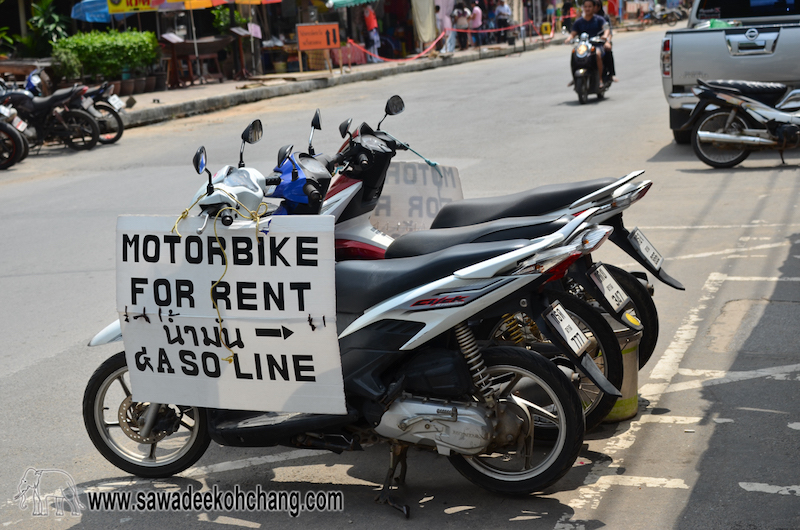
point(200, 161)
point(284, 153)
point(252, 134)
point(315, 125)
point(394, 106)
point(344, 127)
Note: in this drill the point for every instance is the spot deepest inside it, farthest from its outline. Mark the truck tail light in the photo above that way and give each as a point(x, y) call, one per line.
point(666, 57)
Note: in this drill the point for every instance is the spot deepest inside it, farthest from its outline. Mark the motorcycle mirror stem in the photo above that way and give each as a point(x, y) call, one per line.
point(315, 124)
point(285, 153)
point(199, 162)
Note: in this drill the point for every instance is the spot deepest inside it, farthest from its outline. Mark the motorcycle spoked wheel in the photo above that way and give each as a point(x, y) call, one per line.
point(604, 350)
point(11, 146)
point(110, 123)
point(83, 132)
point(111, 417)
point(536, 392)
point(714, 154)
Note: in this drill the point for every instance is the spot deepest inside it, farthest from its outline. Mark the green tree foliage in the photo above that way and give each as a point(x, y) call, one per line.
point(46, 27)
point(222, 18)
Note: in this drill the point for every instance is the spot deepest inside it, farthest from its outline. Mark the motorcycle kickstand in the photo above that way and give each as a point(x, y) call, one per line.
point(398, 458)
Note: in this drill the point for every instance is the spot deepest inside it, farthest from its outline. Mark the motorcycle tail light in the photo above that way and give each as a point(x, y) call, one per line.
point(592, 239)
point(641, 192)
point(558, 271)
point(84, 90)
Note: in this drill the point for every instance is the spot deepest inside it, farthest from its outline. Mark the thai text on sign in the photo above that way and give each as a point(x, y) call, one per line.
point(317, 36)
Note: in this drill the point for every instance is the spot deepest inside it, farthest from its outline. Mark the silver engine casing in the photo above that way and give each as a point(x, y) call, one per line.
point(462, 428)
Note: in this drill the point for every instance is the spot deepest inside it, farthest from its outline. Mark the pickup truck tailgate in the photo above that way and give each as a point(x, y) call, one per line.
point(757, 53)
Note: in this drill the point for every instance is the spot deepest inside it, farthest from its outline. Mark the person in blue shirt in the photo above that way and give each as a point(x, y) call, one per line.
point(595, 26)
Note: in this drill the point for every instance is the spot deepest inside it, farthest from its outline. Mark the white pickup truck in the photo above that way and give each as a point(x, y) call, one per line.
point(752, 40)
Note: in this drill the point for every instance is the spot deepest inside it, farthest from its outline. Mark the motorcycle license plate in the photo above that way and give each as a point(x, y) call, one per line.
point(646, 249)
point(613, 293)
point(566, 327)
point(116, 102)
point(4, 111)
point(19, 123)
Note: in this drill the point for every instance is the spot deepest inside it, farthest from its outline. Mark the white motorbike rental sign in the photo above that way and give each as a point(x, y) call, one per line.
point(276, 348)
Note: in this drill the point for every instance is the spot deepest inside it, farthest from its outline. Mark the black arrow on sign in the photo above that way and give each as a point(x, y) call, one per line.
point(335, 41)
point(274, 332)
point(328, 36)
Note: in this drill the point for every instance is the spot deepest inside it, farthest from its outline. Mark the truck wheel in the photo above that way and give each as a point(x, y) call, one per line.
point(717, 154)
point(682, 137)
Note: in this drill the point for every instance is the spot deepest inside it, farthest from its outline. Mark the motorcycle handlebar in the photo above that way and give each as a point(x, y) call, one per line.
point(312, 193)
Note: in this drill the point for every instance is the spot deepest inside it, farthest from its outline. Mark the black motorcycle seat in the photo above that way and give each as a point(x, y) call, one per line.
point(363, 284)
point(767, 93)
point(427, 241)
point(537, 201)
point(46, 102)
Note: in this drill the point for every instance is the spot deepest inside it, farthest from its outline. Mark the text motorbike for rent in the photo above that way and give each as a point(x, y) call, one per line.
point(413, 372)
point(734, 118)
point(50, 118)
point(586, 77)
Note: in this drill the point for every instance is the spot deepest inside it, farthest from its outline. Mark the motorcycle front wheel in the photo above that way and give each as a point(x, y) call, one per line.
point(82, 130)
point(112, 419)
point(582, 88)
point(534, 392)
point(110, 123)
point(717, 154)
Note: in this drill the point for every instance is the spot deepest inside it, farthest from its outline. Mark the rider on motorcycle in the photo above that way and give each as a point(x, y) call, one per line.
point(595, 26)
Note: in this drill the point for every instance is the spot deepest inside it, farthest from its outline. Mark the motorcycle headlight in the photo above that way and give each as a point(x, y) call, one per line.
point(582, 51)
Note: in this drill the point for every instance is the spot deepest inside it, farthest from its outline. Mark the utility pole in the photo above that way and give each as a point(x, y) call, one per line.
point(23, 20)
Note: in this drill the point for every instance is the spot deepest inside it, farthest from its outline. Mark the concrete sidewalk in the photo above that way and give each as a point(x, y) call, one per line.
point(196, 99)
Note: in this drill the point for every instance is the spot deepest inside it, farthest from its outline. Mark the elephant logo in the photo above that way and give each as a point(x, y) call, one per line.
point(48, 486)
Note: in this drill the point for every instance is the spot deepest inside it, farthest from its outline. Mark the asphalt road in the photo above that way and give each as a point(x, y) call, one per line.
point(715, 444)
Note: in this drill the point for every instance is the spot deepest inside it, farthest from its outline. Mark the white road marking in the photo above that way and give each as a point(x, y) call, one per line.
point(596, 483)
point(720, 227)
point(729, 251)
point(767, 488)
point(249, 462)
point(795, 426)
point(761, 279)
point(733, 377)
point(723, 420)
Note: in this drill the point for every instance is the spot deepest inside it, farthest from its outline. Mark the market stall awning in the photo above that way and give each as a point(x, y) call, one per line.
point(336, 4)
point(93, 11)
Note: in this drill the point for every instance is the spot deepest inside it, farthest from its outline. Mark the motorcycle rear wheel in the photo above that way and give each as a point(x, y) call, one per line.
point(719, 155)
point(110, 417)
point(11, 146)
point(672, 19)
point(605, 352)
point(110, 123)
point(534, 384)
point(82, 128)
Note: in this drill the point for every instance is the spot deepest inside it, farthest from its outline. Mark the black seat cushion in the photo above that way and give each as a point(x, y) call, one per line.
point(427, 241)
point(767, 93)
point(537, 201)
point(362, 284)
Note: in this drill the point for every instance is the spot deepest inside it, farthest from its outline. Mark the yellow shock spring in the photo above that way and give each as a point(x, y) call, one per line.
point(513, 329)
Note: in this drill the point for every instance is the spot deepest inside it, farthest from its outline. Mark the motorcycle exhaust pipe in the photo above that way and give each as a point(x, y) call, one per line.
point(708, 137)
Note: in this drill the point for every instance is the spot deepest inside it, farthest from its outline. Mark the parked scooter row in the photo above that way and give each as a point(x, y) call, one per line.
point(463, 339)
point(75, 116)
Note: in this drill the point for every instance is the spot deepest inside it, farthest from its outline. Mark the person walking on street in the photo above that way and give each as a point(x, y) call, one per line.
point(502, 14)
point(569, 14)
point(461, 16)
point(444, 23)
point(373, 37)
point(476, 23)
